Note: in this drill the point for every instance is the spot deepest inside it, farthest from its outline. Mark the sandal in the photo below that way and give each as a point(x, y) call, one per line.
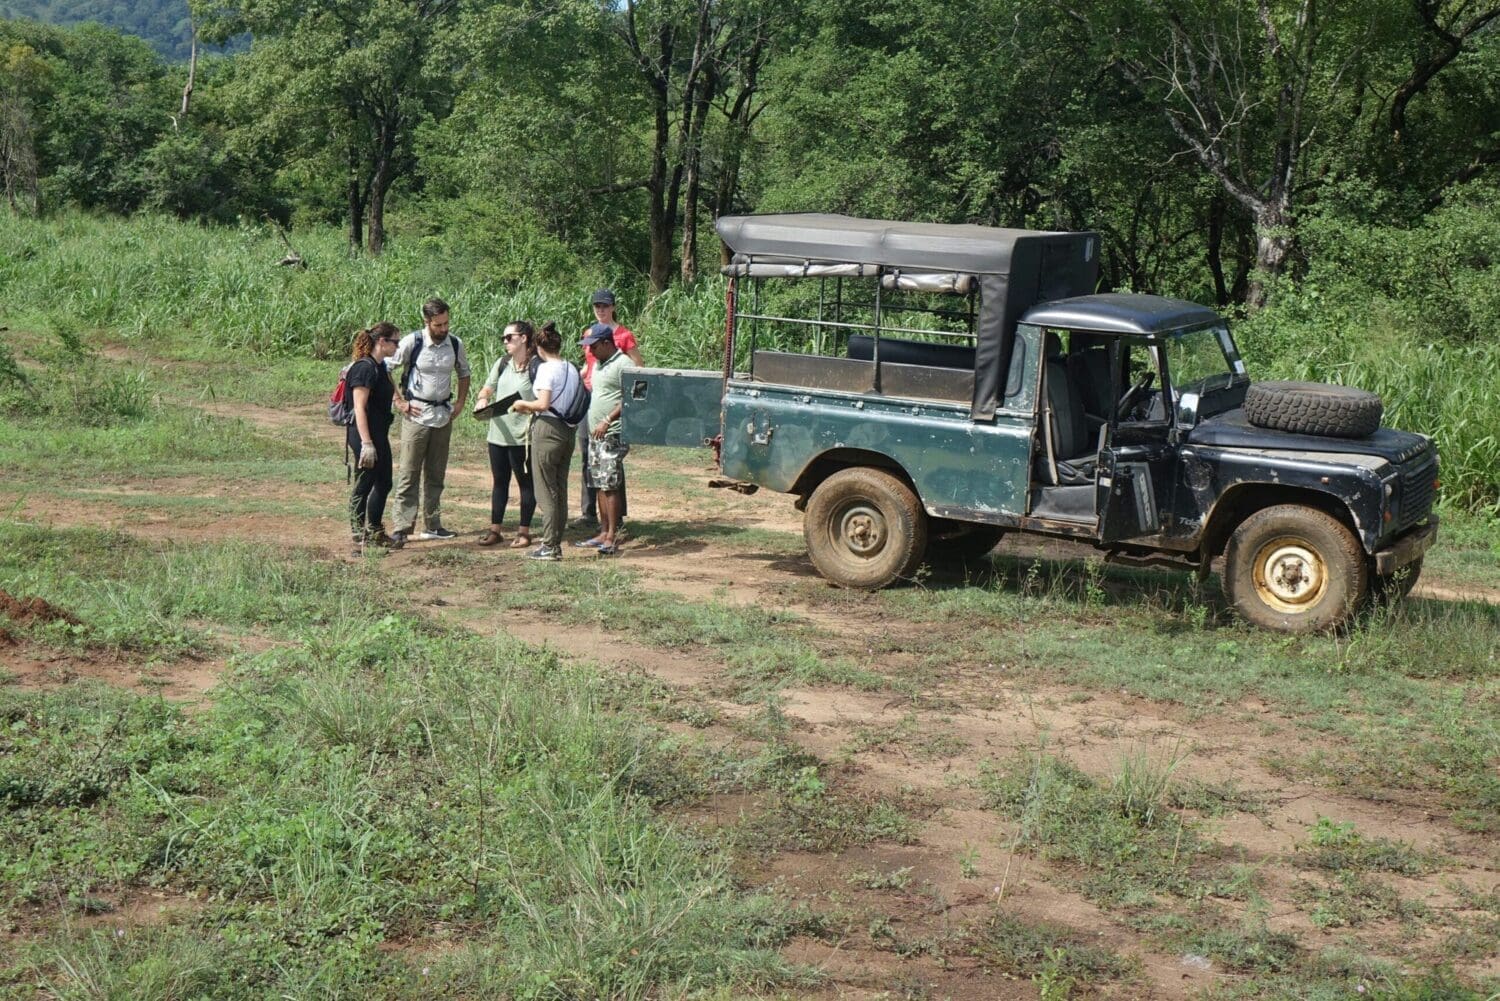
point(521, 541)
point(491, 538)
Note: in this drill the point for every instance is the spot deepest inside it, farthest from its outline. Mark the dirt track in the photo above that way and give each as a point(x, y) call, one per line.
point(976, 714)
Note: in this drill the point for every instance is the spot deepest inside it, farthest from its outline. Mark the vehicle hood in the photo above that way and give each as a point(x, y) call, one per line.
point(1233, 429)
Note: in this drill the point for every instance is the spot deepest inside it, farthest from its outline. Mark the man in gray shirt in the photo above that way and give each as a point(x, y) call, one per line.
point(432, 357)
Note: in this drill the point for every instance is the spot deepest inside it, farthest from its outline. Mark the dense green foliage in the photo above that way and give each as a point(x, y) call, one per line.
point(166, 24)
point(1324, 172)
point(1399, 328)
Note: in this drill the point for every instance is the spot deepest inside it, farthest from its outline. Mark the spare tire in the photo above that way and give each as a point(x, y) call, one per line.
point(1314, 408)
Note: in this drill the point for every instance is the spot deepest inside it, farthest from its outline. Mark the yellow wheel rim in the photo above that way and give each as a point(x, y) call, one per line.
point(1290, 575)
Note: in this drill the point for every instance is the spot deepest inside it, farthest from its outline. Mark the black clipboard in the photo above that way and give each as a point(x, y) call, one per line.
point(496, 407)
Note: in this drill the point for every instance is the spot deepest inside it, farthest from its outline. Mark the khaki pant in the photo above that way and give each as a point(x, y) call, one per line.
point(551, 453)
point(424, 464)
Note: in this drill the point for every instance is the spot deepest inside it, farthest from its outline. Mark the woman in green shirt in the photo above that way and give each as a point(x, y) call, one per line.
point(510, 375)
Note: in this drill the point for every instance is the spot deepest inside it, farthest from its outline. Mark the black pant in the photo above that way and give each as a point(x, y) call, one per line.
point(371, 487)
point(588, 500)
point(507, 461)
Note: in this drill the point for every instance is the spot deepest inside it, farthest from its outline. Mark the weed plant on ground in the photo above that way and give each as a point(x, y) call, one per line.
point(384, 807)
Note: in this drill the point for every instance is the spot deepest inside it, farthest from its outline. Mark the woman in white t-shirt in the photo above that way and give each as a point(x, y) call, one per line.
point(558, 388)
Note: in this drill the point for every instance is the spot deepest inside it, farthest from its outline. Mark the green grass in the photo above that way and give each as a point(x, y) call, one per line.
point(134, 597)
point(341, 799)
point(1012, 947)
point(1401, 717)
point(1120, 839)
point(763, 650)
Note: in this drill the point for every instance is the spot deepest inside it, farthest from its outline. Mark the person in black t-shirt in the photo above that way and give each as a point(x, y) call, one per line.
point(370, 435)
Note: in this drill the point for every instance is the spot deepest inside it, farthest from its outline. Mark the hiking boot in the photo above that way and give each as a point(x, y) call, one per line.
point(379, 538)
point(544, 552)
point(439, 533)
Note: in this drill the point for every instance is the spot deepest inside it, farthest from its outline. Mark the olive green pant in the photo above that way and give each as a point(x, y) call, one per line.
point(551, 454)
point(424, 465)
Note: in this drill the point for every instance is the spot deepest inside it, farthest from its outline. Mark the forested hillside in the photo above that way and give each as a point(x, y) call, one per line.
point(166, 24)
point(1327, 171)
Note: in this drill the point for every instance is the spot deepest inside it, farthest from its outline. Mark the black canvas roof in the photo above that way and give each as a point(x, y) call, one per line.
point(1117, 313)
point(820, 237)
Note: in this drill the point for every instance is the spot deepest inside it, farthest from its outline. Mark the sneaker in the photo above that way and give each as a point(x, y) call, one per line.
point(399, 538)
point(584, 522)
point(436, 533)
point(544, 552)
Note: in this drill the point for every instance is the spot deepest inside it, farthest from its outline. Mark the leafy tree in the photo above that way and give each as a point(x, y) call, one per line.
point(23, 77)
point(352, 77)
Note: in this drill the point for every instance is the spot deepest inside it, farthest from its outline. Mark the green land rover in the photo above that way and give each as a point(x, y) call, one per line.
point(922, 389)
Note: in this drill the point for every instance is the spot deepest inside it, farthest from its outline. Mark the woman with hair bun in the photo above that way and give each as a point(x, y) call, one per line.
point(557, 411)
point(372, 392)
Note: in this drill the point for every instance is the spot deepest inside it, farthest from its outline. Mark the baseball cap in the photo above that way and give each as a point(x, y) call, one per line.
point(598, 332)
point(603, 297)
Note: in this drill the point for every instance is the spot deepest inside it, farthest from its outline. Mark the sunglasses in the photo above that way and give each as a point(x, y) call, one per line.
point(513, 337)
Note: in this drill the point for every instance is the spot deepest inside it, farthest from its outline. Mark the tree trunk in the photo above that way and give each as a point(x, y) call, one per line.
point(658, 222)
point(380, 183)
point(356, 189)
point(1216, 211)
point(1273, 248)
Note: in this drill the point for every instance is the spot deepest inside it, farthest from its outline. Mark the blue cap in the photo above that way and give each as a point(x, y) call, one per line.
point(598, 332)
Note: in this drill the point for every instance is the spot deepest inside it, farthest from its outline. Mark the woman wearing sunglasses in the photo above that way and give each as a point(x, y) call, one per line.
point(510, 375)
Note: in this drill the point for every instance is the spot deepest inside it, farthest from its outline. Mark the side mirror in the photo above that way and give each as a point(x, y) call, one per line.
point(1187, 411)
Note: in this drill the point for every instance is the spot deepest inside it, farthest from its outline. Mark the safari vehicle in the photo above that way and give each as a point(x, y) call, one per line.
point(922, 389)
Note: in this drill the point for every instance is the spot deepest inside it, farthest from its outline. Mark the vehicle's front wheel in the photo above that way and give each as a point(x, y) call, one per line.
point(865, 528)
point(1295, 569)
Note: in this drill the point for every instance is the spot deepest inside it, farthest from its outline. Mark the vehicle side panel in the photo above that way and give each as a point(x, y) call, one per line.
point(961, 469)
point(1210, 476)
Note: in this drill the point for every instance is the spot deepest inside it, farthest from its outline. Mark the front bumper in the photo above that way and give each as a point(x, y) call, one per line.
point(1407, 549)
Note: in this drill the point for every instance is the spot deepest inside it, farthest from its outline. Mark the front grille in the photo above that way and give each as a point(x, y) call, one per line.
point(1418, 485)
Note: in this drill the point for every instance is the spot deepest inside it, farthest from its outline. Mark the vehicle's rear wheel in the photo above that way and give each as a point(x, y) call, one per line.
point(1392, 588)
point(1295, 569)
point(865, 528)
point(957, 540)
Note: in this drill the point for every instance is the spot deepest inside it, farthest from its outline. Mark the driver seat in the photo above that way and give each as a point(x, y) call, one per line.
point(1073, 459)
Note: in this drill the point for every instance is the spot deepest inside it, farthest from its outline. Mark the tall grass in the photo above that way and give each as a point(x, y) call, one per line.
point(151, 278)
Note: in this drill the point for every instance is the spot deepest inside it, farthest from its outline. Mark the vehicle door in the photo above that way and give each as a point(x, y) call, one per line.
point(1137, 461)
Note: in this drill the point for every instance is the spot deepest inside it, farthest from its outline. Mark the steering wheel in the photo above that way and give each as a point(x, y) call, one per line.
point(1133, 395)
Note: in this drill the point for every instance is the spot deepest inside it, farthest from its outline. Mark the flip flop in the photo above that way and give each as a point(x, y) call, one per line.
point(521, 541)
point(588, 544)
point(609, 550)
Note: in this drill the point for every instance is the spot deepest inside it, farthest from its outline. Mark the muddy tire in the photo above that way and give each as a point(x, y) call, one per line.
point(1393, 588)
point(1314, 408)
point(865, 529)
point(1295, 569)
point(952, 541)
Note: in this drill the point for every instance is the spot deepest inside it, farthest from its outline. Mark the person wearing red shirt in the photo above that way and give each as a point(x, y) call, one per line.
point(603, 303)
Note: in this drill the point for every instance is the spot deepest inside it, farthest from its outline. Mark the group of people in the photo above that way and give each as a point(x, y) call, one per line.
point(542, 408)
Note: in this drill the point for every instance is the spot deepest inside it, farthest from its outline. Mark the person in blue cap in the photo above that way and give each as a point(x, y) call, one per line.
point(603, 304)
point(605, 456)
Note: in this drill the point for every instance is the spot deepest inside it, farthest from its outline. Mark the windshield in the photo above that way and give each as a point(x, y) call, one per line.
point(1202, 360)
